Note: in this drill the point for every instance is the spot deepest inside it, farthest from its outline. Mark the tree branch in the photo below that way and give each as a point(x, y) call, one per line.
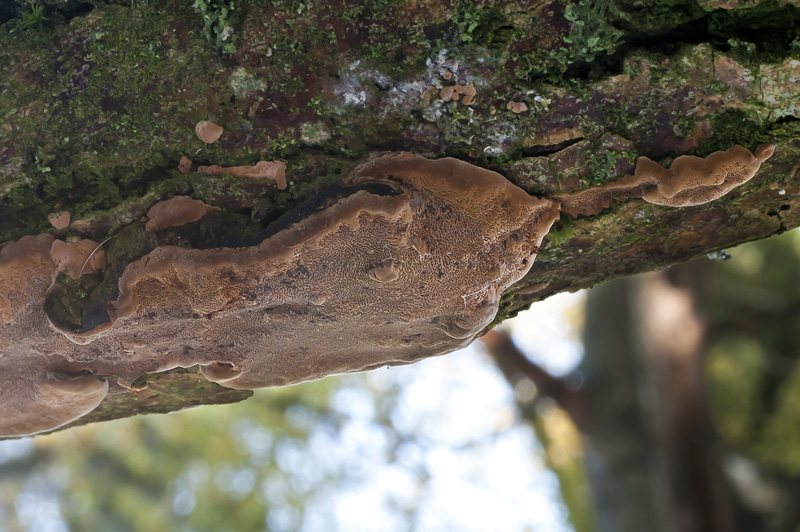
point(97, 114)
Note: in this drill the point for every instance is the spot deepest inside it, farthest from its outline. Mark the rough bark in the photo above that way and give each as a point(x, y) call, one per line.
point(99, 105)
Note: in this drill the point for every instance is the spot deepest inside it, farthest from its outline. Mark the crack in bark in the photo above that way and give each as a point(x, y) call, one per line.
point(782, 227)
point(717, 28)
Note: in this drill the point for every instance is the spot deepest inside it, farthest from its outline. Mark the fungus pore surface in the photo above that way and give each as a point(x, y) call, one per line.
point(411, 264)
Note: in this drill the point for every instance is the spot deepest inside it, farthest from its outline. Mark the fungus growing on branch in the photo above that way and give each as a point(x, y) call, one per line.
point(274, 170)
point(517, 107)
point(184, 165)
point(208, 131)
point(410, 261)
point(175, 212)
point(59, 220)
point(688, 181)
point(77, 258)
point(347, 265)
point(37, 401)
point(38, 389)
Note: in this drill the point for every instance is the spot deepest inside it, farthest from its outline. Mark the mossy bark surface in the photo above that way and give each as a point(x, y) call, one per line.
point(98, 103)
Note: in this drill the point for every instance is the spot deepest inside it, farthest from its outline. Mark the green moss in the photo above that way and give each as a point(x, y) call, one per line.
point(108, 102)
point(602, 163)
point(761, 34)
point(211, 189)
point(560, 232)
point(33, 14)
point(732, 127)
point(127, 245)
point(72, 304)
point(218, 22)
point(130, 243)
point(481, 25)
point(590, 35)
point(244, 83)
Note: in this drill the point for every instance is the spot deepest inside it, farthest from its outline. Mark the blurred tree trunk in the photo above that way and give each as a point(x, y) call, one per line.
point(651, 451)
point(98, 103)
point(688, 405)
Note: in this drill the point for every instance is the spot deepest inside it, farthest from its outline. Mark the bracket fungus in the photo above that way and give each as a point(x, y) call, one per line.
point(59, 220)
point(688, 181)
point(39, 389)
point(175, 212)
point(185, 165)
point(274, 170)
point(410, 263)
point(517, 107)
point(208, 131)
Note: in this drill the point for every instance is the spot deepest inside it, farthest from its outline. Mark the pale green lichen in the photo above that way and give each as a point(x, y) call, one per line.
point(244, 83)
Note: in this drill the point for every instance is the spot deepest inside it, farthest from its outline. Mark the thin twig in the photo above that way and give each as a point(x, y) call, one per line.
point(92, 254)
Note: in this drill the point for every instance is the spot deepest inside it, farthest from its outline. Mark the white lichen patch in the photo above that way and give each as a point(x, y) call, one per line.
point(244, 83)
point(779, 88)
point(542, 102)
point(498, 136)
point(401, 98)
point(358, 98)
point(353, 87)
point(444, 80)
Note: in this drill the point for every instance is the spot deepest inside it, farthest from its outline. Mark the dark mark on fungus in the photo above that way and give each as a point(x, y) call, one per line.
point(410, 263)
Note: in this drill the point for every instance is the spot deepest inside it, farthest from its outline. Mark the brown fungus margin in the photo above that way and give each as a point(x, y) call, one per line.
point(39, 389)
point(372, 280)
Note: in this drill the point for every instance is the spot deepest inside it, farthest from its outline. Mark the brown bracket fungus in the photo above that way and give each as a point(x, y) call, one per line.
point(185, 165)
point(77, 258)
point(175, 212)
point(274, 170)
point(59, 220)
point(309, 290)
point(39, 401)
point(39, 389)
point(411, 264)
point(208, 131)
point(688, 181)
point(517, 107)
